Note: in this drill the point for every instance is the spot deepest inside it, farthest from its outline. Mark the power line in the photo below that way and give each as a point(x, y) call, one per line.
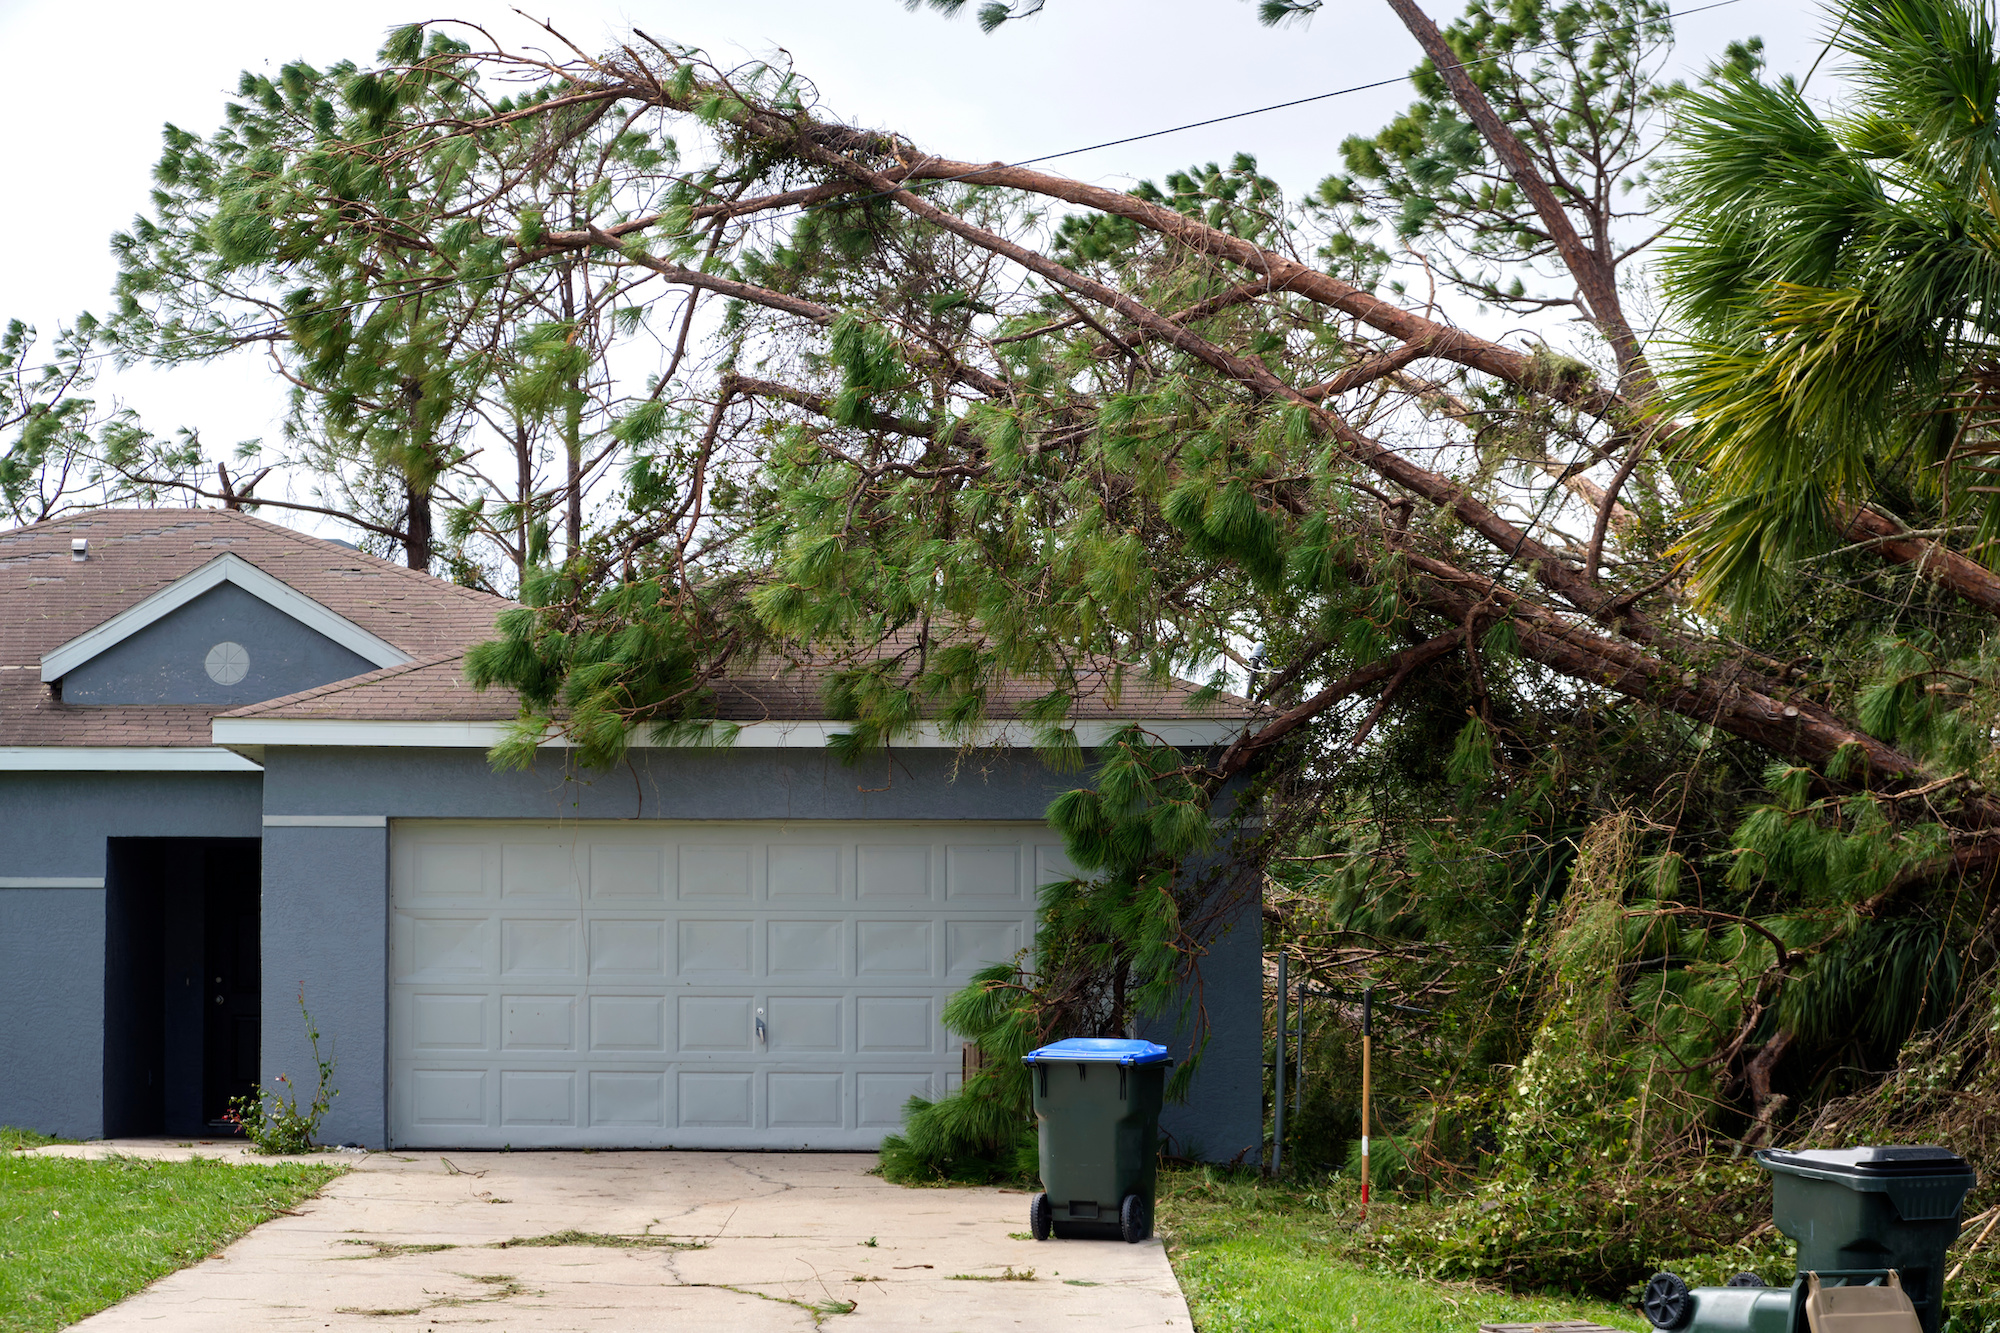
point(1357, 88)
point(276, 327)
point(1244, 115)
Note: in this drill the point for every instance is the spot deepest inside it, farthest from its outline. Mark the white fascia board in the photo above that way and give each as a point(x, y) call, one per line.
point(326, 821)
point(241, 732)
point(254, 731)
point(122, 759)
point(225, 568)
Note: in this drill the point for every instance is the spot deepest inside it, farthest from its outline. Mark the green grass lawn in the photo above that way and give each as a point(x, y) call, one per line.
point(1254, 1255)
point(77, 1236)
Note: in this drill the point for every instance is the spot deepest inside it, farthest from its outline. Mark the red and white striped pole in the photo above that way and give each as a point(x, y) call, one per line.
point(1367, 1040)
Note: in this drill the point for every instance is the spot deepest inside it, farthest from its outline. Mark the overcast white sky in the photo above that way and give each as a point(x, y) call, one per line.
point(88, 88)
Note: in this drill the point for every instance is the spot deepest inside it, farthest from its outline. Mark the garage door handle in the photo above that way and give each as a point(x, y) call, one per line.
point(760, 1027)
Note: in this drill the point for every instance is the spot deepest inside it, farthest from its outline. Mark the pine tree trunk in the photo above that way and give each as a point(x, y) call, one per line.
point(524, 497)
point(573, 431)
point(417, 528)
point(1595, 274)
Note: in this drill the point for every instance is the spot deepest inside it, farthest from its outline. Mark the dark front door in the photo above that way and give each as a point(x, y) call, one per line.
point(181, 1001)
point(232, 1021)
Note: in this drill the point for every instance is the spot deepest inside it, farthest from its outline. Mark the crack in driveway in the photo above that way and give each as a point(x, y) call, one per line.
point(763, 1243)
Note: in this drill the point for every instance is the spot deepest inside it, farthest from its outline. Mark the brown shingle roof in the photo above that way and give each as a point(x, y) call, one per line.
point(47, 599)
point(436, 691)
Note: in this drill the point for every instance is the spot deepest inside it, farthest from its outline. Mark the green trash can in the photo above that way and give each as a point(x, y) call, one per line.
point(1861, 1211)
point(1097, 1113)
point(1858, 1214)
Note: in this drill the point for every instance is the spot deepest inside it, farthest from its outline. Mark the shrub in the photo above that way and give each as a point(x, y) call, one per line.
point(983, 1133)
point(272, 1121)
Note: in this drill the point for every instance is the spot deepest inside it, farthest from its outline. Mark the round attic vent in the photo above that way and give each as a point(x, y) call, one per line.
point(227, 663)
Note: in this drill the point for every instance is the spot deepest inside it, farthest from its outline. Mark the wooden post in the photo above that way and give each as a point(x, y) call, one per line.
point(1367, 1041)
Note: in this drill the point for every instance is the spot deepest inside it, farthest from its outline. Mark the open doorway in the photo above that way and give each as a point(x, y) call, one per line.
point(182, 983)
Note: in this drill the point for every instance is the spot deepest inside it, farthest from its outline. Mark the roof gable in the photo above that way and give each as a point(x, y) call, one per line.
point(225, 568)
point(49, 599)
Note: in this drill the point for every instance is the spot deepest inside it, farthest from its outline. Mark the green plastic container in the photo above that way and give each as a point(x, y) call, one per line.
point(1856, 1212)
point(1097, 1113)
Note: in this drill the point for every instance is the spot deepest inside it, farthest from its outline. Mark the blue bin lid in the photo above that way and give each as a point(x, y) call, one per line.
point(1101, 1050)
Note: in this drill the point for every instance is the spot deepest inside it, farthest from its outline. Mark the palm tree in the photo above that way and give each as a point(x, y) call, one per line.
point(1837, 276)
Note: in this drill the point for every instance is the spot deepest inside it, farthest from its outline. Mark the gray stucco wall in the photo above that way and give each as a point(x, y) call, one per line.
point(326, 930)
point(164, 662)
point(326, 890)
point(52, 1010)
point(54, 825)
point(1223, 1117)
point(660, 784)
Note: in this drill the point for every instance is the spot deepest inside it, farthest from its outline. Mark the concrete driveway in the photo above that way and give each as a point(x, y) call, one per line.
point(648, 1240)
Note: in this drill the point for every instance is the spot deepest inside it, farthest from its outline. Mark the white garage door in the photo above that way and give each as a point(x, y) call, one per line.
point(701, 985)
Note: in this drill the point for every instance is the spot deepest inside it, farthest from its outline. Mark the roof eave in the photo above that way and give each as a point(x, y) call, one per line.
point(127, 759)
point(244, 734)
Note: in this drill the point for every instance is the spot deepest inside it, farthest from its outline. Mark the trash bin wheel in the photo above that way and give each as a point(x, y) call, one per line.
point(1135, 1219)
point(1745, 1280)
point(1039, 1216)
point(1666, 1302)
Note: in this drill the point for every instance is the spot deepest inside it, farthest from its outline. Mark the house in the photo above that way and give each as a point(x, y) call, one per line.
point(239, 764)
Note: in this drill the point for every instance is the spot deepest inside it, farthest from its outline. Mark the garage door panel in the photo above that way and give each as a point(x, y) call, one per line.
point(805, 1023)
point(710, 872)
point(448, 1098)
point(537, 1098)
point(710, 1023)
point(983, 874)
point(440, 1023)
point(804, 1100)
point(715, 949)
point(902, 1024)
point(716, 1098)
point(539, 947)
point(537, 1023)
point(450, 947)
point(540, 873)
point(623, 1099)
point(601, 984)
point(892, 872)
point(895, 947)
point(450, 872)
point(628, 1024)
point(804, 874)
point(628, 949)
point(971, 945)
point(625, 873)
point(799, 949)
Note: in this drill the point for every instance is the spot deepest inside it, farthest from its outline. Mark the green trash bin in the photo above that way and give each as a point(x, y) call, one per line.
point(1860, 1211)
point(1858, 1214)
point(1097, 1114)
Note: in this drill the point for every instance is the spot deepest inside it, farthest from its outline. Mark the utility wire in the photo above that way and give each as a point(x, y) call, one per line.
point(1357, 88)
point(277, 327)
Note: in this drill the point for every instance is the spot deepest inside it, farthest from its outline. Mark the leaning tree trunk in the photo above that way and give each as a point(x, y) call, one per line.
point(417, 528)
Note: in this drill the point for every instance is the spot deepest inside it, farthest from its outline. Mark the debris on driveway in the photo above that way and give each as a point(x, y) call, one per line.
point(647, 1240)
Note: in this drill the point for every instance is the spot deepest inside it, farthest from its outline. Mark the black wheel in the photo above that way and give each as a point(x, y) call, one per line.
point(1135, 1219)
point(1040, 1216)
point(1745, 1280)
point(1667, 1304)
